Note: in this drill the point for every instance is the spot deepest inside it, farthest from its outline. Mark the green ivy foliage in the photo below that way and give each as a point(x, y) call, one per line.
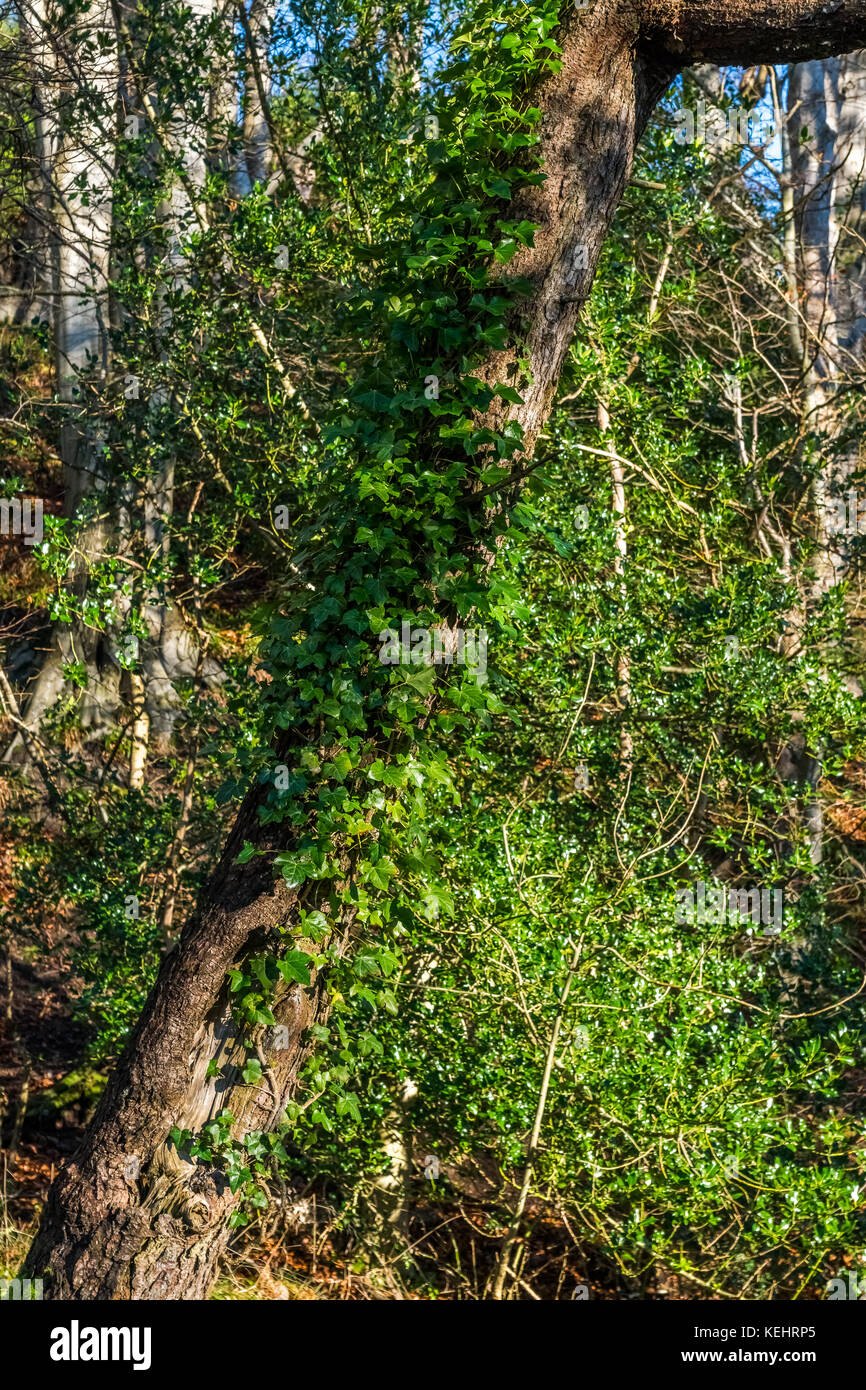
point(702, 1118)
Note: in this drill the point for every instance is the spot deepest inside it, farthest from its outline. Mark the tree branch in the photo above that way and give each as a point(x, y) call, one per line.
point(746, 32)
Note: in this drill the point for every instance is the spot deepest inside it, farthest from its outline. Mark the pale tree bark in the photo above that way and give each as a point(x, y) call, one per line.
point(810, 147)
point(811, 106)
point(390, 1198)
point(264, 159)
point(825, 152)
point(160, 1234)
point(851, 206)
point(79, 74)
point(403, 47)
point(829, 175)
point(258, 150)
point(789, 228)
point(74, 66)
point(140, 732)
point(169, 652)
point(27, 269)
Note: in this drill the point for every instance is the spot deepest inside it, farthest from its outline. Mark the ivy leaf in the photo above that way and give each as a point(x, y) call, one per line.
point(348, 1105)
point(295, 967)
point(435, 901)
point(504, 252)
point(423, 681)
point(388, 1001)
point(342, 766)
point(294, 869)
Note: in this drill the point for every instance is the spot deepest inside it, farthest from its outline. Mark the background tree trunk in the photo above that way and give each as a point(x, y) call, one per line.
point(74, 84)
point(77, 86)
point(825, 138)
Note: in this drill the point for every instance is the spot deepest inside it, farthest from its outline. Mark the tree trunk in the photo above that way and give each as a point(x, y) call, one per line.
point(827, 101)
point(257, 135)
point(103, 1235)
point(78, 168)
point(129, 1217)
point(73, 71)
point(829, 175)
point(390, 1199)
point(170, 651)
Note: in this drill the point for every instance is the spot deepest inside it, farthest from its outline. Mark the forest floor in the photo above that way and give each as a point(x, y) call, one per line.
point(295, 1249)
point(47, 1096)
point(41, 1070)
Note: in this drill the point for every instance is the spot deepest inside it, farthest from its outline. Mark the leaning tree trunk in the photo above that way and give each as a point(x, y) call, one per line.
point(159, 1234)
point(129, 1217)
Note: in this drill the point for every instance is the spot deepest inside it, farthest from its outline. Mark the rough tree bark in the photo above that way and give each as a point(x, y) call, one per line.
point(160, 1235)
